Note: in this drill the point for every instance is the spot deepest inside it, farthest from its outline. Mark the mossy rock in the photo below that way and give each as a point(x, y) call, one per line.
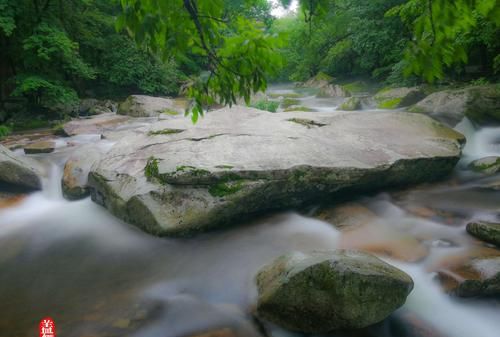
point(485, 231)
point(487, 165)
point(351, 104)
point(393, 98)
point(288, 102)
point(320, 292)
point(298, 108)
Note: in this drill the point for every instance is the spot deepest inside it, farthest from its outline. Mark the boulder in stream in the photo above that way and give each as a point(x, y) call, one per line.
point(487, 165)
point(485, 231)
point(480, 103)
point(18, 171)
point(44, 146)
point(176, 178)
point(319, 292)
point(94, 125)
point(149, 106)
point(398, 97)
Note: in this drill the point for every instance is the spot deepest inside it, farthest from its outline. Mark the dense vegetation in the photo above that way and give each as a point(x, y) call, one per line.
point(54, 52)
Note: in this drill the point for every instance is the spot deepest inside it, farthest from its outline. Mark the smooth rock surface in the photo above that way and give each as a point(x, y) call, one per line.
point(44, 146)
point(95, 125)
point(320, 292)
point(485, 231)
point(481, 104)
point(176, 178)
point(19, 171)
point(149, 106)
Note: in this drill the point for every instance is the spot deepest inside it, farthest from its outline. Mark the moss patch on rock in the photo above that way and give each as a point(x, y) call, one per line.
point(151, 168)
point(390, 103)
point(288, 102)
point(165, 132)
point(299, 108)
point(306, 122)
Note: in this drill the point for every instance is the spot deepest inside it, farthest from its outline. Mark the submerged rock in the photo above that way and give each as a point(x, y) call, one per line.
point(398, 97)
point(487, 165)
point(177, 178)
point(76, 171)
point(485, 231)
point(44, 146)
point(320, 292)
point(481, 104)
point(149, 106)
point(18, 171)
point(475, 273)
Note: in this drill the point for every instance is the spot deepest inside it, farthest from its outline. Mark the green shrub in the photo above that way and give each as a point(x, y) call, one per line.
point(266, 105)
point(4, 131)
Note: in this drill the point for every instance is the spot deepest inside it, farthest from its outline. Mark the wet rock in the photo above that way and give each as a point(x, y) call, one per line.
point(398, 97)
point(481, 104)
point(92, 106)
point(364, 230)
point(320, 292)
point(45, 146)
point(475, 273)
point(76, 171)
point(351, 104)
point(149, 106)
point(19, 171)
point(319, 81)
point(486, 231)
point(177, 178)
point(333, 90)
point(487, 165)
point(94, 125)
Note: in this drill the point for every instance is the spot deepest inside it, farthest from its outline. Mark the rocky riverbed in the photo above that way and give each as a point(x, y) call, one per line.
point(364, 252)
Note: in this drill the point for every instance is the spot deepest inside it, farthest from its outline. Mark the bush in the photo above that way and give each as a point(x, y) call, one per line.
point(266, 105)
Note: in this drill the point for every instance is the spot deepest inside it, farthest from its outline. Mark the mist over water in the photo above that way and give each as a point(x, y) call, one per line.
point(98, 276)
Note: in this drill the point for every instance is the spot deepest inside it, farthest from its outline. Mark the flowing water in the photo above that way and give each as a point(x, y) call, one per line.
point(97, 276)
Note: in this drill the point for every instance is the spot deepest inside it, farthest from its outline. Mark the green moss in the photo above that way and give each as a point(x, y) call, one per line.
point(58, 130)
point(165, 132)
point(355, 87)
point(287, 102)
point(299, 108)
point(266, 105)
point(416, 109)
point(390, 103)
point(191, 169)
point(151, 168)
point(321, 76)
point(225, 188)
point(170, 112)
point(306, 122)
point(228, 167)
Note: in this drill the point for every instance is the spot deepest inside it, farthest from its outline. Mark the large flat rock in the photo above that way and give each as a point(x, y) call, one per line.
point(19, 171)
point(176, 178)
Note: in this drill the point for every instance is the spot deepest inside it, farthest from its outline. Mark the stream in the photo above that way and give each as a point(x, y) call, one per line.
point(98, 276)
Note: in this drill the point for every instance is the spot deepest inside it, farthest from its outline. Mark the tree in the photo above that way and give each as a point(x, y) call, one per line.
point(238, 51)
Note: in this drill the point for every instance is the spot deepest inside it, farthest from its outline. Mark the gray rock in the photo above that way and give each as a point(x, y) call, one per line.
point(176, 178)
point(487, 165)
point(320, 292)
point(486, 231)
point(333, 90)
point(44, 146)
point(398, 97)
point(76, 171)
point(481, 104)
point(95, 125)
point(19, 171)
point(148, 106)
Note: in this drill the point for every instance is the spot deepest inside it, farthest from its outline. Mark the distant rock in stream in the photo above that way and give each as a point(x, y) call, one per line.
point(398, 97)
point(175, 178)
point(481, 104)
point(487, 165)
point(149, 106)
point(320, 292)
point(485, 231)
point(18, 171)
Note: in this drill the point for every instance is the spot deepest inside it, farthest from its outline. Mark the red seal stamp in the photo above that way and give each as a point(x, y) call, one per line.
point(47, 327)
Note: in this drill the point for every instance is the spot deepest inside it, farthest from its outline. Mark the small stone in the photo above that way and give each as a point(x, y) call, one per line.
point(487, 165)
point(46, 146)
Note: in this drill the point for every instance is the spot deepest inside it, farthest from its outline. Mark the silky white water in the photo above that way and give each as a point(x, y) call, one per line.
point(97, 276)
